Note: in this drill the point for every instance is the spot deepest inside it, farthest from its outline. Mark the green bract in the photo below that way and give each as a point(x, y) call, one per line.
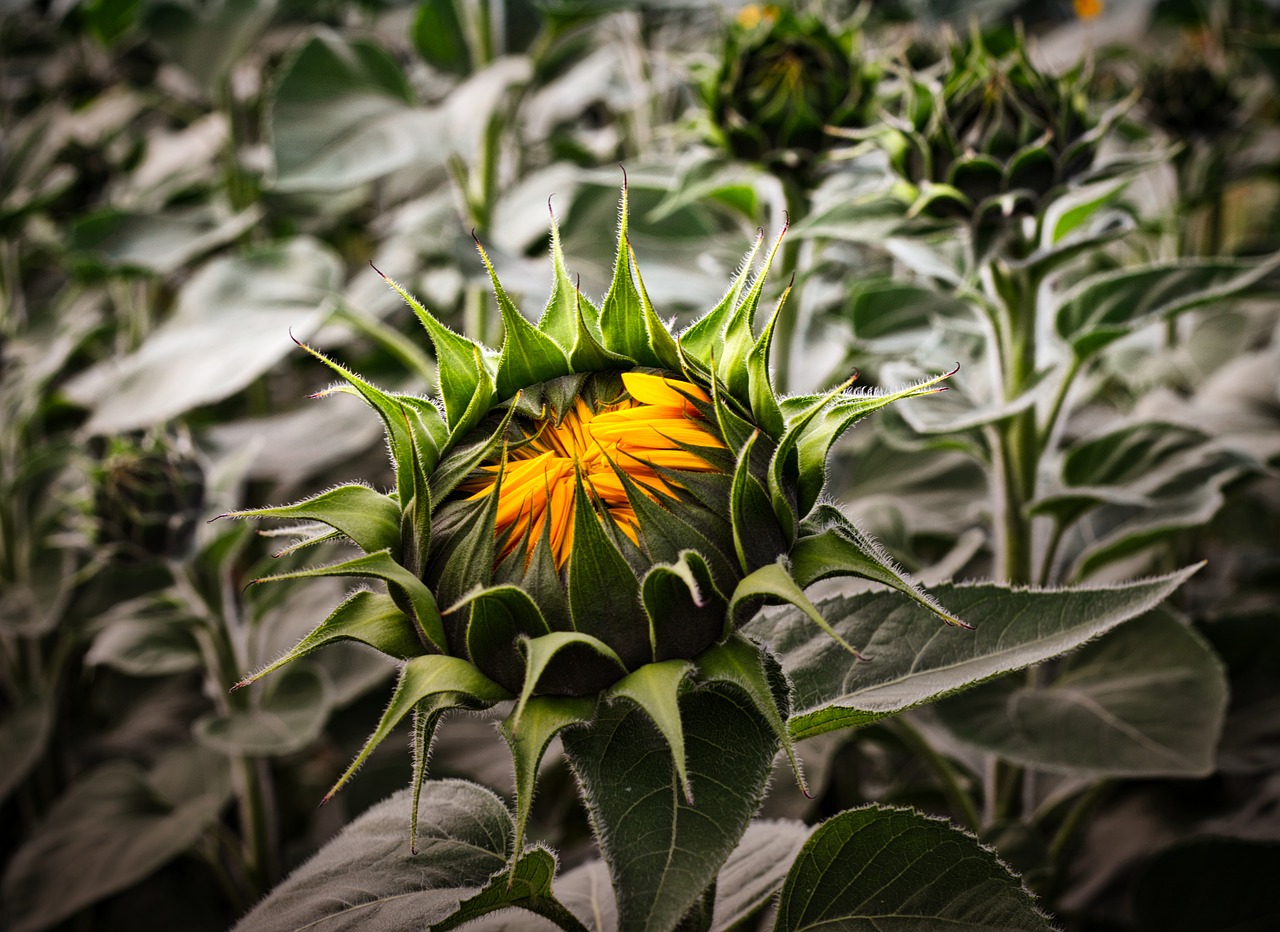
point(680, 523)
point(782, 79)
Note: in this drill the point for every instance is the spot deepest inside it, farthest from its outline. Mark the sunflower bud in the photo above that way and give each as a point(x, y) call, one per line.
point(783, 78)
point(996, 138)
point(148, 495)
point(590, 513)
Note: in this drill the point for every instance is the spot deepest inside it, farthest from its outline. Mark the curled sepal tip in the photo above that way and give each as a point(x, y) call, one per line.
point(774, 582)
point(430, 684)
point(541, 719)
point(560, 652)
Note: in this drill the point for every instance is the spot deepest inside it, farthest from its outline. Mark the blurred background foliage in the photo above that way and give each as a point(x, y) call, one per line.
point(185, 186)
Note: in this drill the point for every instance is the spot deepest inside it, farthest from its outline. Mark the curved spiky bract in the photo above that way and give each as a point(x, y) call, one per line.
point(590, 512)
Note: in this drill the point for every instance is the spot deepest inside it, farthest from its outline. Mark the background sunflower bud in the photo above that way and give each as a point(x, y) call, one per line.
point(996, 137)
point(148, 494)
point(782, 78)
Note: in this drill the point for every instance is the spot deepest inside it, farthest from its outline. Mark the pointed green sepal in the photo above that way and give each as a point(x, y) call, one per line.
point(528, 356)
point(739, 333)
point(415, 520)
point(458, 360)
point(661, 342)
point(784, 467)
point(498, 617)
point(741, 662)
point(562, 315)
point(655, 689)
point(604, 593)
point(756, 542)
point(628, 326)
point(429, 426)
point(464, 460)
point(764, 402)
point(832, 421)
point(426, 716)
point(393, 419)
point(703, 336)
point(774, 582)
point(368, 617)
point(735, 431)
point(574, 654)
point(369, 518)
point(438, 681)
point(541, 719)
point(686, 611)
point(835, 546)
point(409, 592)
point(525, 885)
point(480, 403)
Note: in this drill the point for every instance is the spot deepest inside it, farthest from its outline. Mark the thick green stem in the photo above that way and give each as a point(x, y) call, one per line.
point(1017, 441)
point(784, 335)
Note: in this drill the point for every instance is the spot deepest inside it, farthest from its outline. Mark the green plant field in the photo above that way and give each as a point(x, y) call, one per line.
point(639, 465)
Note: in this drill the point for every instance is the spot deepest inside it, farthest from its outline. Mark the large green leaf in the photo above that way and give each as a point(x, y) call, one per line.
point(197, 357)
point(756, 870)
point(1146, 700)
point(116, 825)
point(207, 40)
point(342, 115)
point(157, 242)
point(751, 876)
point(875, 869)
point(1105, 307)
point(366, 878)
point(662, 852)
point(914, 660)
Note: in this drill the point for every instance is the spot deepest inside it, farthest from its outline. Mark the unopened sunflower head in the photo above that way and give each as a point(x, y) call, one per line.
point(782, 79)
point(995, 137)
point(592, 511)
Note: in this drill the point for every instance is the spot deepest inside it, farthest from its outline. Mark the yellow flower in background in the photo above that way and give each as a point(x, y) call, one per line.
point(1088, 9)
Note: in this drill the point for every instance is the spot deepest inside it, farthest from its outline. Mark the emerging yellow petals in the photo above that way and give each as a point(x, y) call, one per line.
point(640, 436)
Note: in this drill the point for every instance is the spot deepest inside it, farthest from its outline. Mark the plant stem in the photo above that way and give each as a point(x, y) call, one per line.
point(784, 335)
point(1069, 831)
point(950, 778)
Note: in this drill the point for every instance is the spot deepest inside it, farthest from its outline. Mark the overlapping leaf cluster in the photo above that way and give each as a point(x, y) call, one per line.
point(473, 630)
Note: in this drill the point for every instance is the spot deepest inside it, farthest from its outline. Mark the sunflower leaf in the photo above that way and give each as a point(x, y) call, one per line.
point(370, 618)
point(369, 518)
point(870, 866)
point(429, 684)
point(409, 592)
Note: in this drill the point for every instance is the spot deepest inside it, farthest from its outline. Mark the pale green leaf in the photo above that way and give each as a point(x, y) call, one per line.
point(874, 868)
point(1146, 700)
point(116, 825)
point(366, 878)
point(915, 660)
